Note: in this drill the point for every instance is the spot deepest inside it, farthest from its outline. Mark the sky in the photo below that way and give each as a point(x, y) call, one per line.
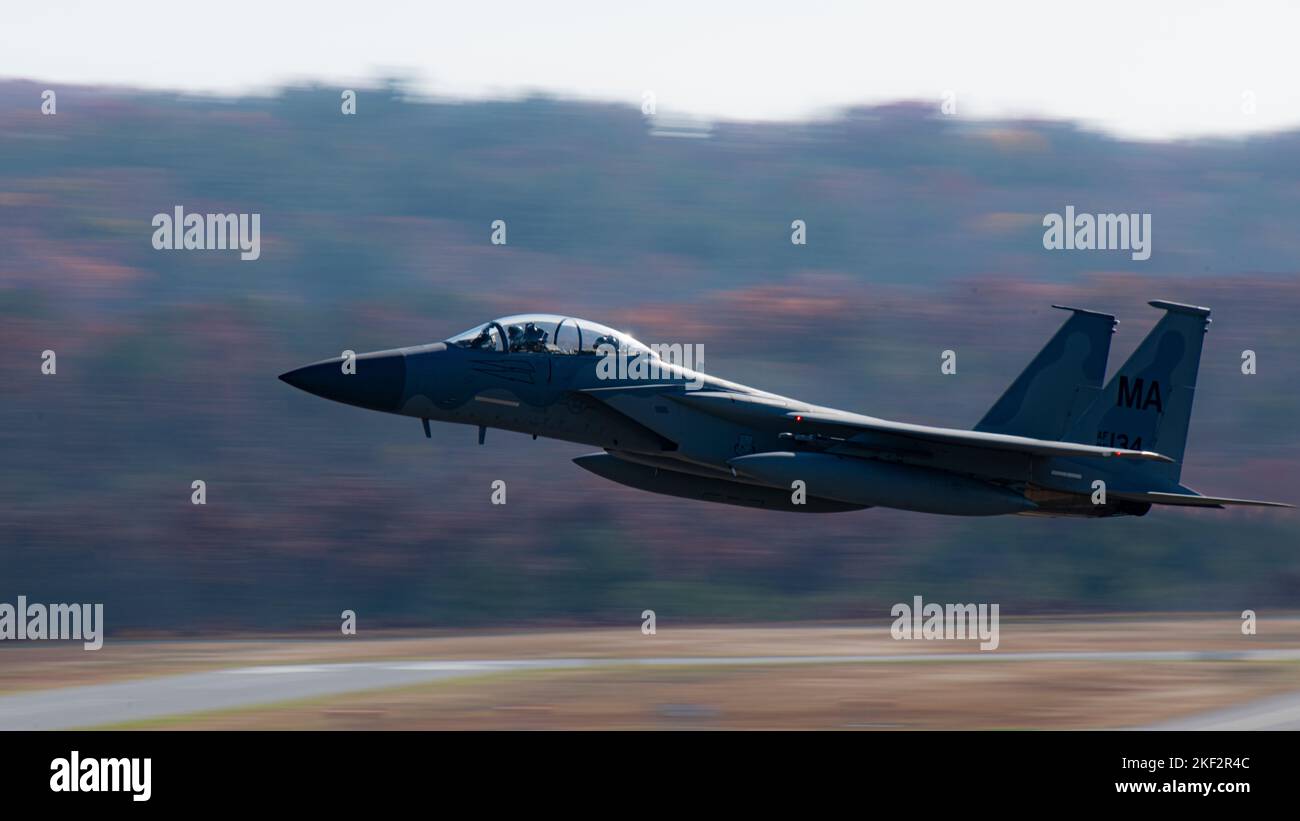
point(1148, 69)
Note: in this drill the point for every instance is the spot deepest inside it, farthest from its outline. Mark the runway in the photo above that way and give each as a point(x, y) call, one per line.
point(1278, 713)
point(176, 695)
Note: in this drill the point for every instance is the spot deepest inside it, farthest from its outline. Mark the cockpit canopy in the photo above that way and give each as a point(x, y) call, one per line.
point(545, 333)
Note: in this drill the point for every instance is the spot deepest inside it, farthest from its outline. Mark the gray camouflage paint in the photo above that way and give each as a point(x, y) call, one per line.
point(1038, 451)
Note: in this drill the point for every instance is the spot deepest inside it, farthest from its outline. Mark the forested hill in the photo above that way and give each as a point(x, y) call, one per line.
point(924, 233)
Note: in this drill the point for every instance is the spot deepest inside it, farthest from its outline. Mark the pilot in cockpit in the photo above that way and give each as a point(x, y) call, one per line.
point(534, 338)
point(514, 338)
point(483, 340)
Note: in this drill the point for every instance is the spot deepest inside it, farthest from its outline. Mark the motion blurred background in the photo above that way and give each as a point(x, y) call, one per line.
point(924, 234)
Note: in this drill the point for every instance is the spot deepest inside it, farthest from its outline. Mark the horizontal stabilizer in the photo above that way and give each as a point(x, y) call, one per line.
point(1193, 500)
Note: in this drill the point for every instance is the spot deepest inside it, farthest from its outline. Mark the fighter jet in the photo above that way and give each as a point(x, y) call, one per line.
point(1058, 442)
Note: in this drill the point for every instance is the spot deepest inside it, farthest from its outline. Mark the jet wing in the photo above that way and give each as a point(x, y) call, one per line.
point(1193, 500)
point(869, 432)
point(856, 425)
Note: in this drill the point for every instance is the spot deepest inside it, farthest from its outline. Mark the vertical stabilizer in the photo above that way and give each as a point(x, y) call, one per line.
point(1059, 384)
point(1147, 404)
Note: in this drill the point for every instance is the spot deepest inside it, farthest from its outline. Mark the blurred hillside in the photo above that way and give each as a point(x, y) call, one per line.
point(924, 234)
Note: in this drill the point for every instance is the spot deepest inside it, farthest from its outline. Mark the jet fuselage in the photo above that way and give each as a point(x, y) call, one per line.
point(1041, 450)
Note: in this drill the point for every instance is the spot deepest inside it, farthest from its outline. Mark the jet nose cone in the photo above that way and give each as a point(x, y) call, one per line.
point(378, 383)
